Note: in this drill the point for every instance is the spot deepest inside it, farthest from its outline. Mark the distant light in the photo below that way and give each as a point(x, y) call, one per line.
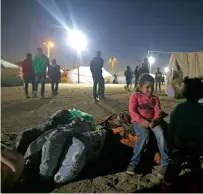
point(151, 60)
point(77, 40)
point(112, 59)
point(51, 44)
point(166, 69)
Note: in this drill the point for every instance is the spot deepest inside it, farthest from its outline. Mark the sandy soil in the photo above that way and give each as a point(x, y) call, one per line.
point(19, 113)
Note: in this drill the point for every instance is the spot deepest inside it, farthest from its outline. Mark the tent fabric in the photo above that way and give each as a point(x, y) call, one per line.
point(10, 74)
point(85, 75)
point(191, 65)
point(6, 64)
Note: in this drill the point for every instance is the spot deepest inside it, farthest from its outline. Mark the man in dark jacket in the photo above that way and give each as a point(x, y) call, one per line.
point(158, 79)
point(55, 76)
point(96, 66)
point(137, 75)
point(28, 73)
point(145, 67)
point(129, 76)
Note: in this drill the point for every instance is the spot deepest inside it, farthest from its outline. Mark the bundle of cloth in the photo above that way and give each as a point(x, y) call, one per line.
point(59, 149)
point(120, 123)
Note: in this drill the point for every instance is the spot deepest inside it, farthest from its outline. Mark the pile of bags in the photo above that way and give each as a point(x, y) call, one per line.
point(59, 149)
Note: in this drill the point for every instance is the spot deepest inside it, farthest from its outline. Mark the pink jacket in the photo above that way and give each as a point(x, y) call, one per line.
point(143, 107)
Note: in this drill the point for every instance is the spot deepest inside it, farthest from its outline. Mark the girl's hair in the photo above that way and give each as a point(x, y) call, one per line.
point(193, 89)
point(145, 78)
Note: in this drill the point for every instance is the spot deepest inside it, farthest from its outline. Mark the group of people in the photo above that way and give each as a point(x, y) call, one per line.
point(96, 66)
point(35, 70)
point(185, 126)
point(138, 72)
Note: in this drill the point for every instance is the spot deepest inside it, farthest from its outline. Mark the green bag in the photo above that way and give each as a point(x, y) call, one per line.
point(77, 113)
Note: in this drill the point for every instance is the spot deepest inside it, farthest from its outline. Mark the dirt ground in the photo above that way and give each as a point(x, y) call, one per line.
point(19, 113)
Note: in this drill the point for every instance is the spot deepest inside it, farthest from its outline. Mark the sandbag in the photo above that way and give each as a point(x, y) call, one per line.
point(44, 154)
point(25, 138)
point(73, 162)
point(94, 142)
point(51, 153)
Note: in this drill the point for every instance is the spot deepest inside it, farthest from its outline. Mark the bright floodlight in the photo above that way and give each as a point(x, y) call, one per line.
point(77, 40)
point(166, 69)
point(51, 44)
point(151, 60)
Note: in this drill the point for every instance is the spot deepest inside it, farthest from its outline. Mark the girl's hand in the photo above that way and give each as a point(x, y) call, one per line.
point(145, 123)
point(152, 124)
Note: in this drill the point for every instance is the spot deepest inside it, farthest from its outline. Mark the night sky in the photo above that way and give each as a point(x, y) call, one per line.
point(126, 29)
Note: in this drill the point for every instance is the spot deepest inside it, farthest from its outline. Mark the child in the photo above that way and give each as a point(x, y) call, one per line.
point(55, 76)
point(145, 110)
point(186, 129)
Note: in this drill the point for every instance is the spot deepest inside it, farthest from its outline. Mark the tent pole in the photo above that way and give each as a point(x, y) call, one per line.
point(78, 74)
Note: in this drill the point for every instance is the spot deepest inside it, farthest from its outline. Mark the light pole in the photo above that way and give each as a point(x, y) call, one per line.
point(112, 60)
point(151, 61)
point(78, 42)
point(49, 45)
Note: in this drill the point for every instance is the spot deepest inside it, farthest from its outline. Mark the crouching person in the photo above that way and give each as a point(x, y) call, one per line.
point(186, 132)
point(55, 76)
point(145, 110)
point(12, 165)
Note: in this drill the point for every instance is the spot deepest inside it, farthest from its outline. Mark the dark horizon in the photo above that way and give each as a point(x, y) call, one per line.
point(126, 29)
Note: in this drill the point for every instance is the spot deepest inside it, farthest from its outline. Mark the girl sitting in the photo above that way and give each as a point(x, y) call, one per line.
point(144, 109)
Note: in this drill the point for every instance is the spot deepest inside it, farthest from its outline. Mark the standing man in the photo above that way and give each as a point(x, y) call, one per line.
point(137, 75)
point(145, 67)
point(41, 62)
point(55, 76)
point(115, 81)
point(163, 80)
point(96, 66)
point(28, 74)
point(129, 76)
point(158, 79)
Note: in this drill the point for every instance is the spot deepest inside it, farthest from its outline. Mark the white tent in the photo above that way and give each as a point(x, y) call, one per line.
point(85, 75)
point(10, 74)
point(191, 65)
